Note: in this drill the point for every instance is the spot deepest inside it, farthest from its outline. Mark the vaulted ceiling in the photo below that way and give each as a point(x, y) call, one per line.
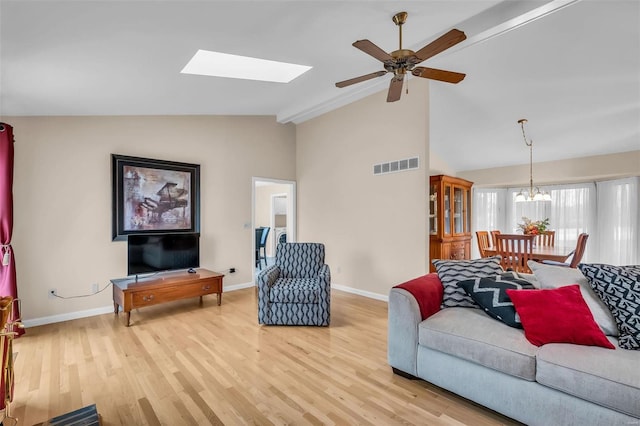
point(572, 68)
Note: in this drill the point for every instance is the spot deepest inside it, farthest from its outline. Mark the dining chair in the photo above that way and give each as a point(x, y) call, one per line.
point(493, 236)
point(515, 251)
point(261, 245)
point(258, 238)
point(579, 251)
point(483, 242)
point(546, 239)
point(575, 255)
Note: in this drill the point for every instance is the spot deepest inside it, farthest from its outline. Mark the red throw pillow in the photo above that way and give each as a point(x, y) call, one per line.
point(558, 315)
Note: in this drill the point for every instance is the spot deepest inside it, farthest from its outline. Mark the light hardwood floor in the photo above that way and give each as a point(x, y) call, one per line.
point(181, 364)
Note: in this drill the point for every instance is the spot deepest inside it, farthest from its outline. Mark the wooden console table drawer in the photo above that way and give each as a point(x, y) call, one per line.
point(166, 287)
point(154, 296)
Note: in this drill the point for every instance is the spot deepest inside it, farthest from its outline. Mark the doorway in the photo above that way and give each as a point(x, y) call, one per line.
point(279, 216)
point(273, 207)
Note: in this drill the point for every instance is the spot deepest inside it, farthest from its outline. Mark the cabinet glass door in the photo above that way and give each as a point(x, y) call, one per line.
point(433, 210)
point(447, 209)
point(458, 219)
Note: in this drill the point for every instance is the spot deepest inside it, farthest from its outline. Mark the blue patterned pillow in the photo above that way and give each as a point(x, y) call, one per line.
point(491, 295)
point(451, 272)
point(619, 289)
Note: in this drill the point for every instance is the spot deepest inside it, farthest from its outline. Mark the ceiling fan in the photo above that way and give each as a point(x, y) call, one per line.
point(401, 61)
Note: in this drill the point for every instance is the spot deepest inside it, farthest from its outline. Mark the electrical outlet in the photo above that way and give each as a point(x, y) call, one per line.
point(52, 293)
point(232, 270)
point(94, 288)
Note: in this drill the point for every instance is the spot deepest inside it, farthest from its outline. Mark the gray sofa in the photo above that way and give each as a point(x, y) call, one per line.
point(473, 355)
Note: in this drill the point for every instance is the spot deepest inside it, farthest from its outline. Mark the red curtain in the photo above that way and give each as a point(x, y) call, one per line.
point(8, 285)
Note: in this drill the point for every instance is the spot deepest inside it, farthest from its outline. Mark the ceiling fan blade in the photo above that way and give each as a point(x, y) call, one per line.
point(395, 88)
point(440, 44)
point(371, 49)
point(441, 75)
point(361, 78)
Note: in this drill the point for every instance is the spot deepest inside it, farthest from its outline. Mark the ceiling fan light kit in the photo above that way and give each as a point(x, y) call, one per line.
point(403, 61)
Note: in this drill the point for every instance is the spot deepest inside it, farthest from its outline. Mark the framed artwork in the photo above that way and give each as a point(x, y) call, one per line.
point(154, 196)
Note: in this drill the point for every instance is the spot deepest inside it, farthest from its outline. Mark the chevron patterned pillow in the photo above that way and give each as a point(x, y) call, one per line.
point(491, 295)
point(619, 289)
point(451, 272)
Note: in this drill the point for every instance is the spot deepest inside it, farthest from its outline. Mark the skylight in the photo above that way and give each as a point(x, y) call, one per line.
point(218, 64)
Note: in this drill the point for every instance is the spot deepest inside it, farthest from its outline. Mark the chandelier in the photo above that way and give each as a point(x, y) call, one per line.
point(533, 193)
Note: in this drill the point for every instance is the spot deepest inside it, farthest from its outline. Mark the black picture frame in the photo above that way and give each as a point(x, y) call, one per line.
point(154, 196)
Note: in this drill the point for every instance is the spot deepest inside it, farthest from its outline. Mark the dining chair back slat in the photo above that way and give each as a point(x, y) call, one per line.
point(546, 239)
point(493, 237)
point(515, 251)
point(483, 242)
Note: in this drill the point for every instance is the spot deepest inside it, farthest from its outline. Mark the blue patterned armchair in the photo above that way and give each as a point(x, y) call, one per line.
point(296, 290)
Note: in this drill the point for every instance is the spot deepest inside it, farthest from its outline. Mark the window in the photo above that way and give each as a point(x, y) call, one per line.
point(488, 213)
point(618, 221)
point(572, 212)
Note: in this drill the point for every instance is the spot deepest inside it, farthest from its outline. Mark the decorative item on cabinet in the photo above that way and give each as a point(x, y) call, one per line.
point(449, 218)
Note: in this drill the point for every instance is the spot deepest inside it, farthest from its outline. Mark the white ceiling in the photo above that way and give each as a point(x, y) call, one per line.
point(574, 73)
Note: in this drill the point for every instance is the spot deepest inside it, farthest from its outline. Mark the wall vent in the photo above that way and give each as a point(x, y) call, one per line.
point(396, 166)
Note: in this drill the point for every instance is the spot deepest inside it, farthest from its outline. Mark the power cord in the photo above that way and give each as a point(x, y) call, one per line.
point(82, 295)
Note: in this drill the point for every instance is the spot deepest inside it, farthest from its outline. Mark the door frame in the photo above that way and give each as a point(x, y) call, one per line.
point(291, 211)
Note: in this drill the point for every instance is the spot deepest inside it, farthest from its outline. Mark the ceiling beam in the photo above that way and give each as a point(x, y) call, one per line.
point(504, 17)
point(493, 22)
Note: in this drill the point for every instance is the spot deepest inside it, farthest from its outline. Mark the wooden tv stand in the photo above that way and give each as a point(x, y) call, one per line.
point(164, 287)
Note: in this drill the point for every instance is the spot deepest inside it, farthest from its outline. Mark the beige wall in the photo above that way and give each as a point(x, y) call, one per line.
point(437, 166)
point(62, 195)
point(599, 167)
point(374, 227)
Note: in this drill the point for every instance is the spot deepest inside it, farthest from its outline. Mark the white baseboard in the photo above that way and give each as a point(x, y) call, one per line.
point(109, 309)
point(364, 293)
point(238, 286)
point(369, 294)
point(67, 316)
point(99, 311)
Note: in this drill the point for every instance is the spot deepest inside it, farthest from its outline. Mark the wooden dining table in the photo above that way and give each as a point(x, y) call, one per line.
point(555, 253)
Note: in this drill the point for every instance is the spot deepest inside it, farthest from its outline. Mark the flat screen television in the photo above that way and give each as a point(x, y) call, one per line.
point(162, 252)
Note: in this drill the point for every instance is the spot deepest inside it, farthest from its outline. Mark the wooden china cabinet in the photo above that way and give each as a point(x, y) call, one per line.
point(449, 218)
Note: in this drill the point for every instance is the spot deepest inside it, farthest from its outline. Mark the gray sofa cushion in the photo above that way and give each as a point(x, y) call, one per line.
point(472, 335)
point(295, 290)
point(602, 376)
